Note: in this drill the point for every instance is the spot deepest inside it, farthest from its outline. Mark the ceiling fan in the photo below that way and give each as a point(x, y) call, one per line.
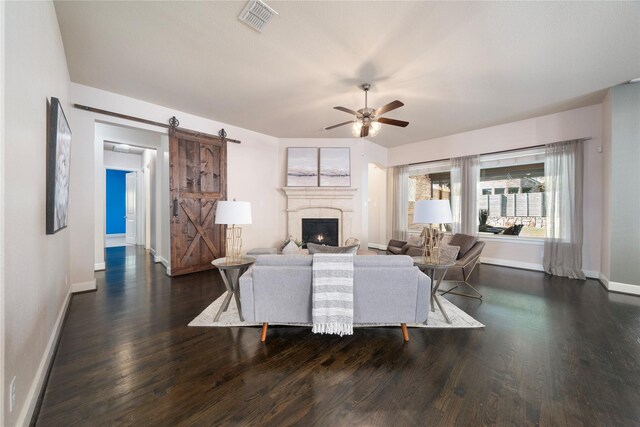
point(368, 120)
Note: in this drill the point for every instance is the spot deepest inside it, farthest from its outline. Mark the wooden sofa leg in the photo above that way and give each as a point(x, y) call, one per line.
point(405, 332)
point(263, 335)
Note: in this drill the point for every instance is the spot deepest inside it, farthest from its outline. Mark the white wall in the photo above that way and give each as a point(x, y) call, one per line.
point(36, 268)
point(578, 123)
point(122, 161)
point(148, 158)
point(2, 204)
point(624, 193)
point(605, 256)
point(377, 206)
point(362, 153)
point(252, 174)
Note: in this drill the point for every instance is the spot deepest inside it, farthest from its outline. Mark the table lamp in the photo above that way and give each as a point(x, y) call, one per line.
point(233, 213)
point(432, 212)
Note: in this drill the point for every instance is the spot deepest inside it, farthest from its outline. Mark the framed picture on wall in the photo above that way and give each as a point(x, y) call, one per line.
point(302, 167)
point(335, 167)
point(58, 156)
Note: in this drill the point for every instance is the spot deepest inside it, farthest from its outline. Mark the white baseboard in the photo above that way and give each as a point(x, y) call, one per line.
point(98, 266)
point(377, 246)
point(623, 288)
point(514, 264)
point(26, 414)
point(164, 262)
point(153, 252)
point(83, 286)
point(592, 274)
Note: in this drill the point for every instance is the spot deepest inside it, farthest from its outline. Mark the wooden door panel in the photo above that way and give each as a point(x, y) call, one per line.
point(189, 152)
point(209, 168)
point(197, 182)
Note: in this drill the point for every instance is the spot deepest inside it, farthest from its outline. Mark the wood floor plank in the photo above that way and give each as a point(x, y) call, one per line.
point(554, 352)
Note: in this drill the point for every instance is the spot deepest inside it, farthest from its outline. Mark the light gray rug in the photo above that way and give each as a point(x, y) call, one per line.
point(230, 318)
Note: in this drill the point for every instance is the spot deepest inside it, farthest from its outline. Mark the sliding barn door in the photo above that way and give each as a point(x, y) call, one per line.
point(198, 172)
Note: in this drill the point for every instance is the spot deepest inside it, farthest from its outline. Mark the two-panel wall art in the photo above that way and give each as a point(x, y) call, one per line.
point(313, 167)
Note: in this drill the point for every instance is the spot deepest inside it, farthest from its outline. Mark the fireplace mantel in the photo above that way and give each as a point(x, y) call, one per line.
point(320, 202)
point(320, 192)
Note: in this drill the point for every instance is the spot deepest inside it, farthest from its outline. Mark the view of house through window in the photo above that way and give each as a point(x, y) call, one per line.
point(511, 200)
point(427, 186)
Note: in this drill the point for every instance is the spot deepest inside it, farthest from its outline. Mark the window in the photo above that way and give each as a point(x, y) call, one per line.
point(426, 182)
point(517, 205)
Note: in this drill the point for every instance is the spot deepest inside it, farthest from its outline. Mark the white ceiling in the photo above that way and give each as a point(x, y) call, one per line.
point(456, 66)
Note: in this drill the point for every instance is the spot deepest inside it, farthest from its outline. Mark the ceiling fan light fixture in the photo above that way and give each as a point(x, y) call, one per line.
point(356, 128)
point(368, 121)
point(374, 128)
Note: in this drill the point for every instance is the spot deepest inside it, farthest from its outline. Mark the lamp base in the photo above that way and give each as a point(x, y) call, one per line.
point(431, 244)
point(233, 247)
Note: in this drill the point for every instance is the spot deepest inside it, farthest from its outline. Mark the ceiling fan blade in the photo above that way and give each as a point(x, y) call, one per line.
point(392, 122)
point(364, 131)
point(346, 110)
point(390, 106)
point(338, 125)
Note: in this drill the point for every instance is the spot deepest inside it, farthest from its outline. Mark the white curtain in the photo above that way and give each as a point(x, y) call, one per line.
point(465, 175)
point(563, 168)
point(400, 202)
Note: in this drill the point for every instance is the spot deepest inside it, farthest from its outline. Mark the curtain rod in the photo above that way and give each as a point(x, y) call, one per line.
point(493, 152)
point(150, 122)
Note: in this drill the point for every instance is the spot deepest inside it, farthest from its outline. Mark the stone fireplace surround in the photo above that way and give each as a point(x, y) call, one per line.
point(320, 202)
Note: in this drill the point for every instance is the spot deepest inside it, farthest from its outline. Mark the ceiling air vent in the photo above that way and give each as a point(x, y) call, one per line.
point(257, 14)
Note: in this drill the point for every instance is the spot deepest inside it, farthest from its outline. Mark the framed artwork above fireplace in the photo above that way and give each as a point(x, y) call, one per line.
point(302, 167)
point(335, 167)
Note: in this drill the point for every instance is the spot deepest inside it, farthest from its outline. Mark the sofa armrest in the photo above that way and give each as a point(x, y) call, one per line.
point(423, 297)
point(246, 295)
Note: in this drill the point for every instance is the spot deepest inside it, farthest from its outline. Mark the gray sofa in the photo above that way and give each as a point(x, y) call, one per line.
point(386, 289)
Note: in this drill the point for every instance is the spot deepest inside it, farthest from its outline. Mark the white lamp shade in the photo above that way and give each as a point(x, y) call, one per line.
point(432, 212)
point(232, 212)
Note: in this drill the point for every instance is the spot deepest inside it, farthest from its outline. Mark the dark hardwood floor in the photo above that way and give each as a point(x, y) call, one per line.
point(554, 352)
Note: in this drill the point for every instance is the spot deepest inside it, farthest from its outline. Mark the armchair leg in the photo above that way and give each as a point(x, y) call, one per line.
point(263, 335)
point(405, 332)
point(450, 291)
point(477, 295)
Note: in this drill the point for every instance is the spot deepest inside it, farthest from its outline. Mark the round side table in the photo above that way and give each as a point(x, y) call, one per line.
point(231, 272)
point(430, 269)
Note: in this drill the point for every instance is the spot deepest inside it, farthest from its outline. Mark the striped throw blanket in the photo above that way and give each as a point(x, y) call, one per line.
point(332, 299)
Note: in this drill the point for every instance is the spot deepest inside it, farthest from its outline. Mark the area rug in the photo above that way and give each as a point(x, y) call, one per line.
point(230, 318)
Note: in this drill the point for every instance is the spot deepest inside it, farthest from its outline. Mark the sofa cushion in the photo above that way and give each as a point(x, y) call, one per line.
point(414, 240)
point(464, 242)
point(290, 248)
point(382, 261)
point(278, 260)
point(321, 249)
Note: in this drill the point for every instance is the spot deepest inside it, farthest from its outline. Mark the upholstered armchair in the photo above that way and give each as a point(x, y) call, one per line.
point(468, 259)
point(395, 247)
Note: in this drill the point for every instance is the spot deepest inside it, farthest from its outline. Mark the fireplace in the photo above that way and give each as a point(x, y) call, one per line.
point(321, 203)
point(322, 231)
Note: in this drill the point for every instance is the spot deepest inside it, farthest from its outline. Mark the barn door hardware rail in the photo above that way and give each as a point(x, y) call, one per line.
point(173, 120)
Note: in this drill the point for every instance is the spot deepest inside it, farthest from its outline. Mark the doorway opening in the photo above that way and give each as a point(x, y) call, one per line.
point(127, 195)
point(132, 190)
